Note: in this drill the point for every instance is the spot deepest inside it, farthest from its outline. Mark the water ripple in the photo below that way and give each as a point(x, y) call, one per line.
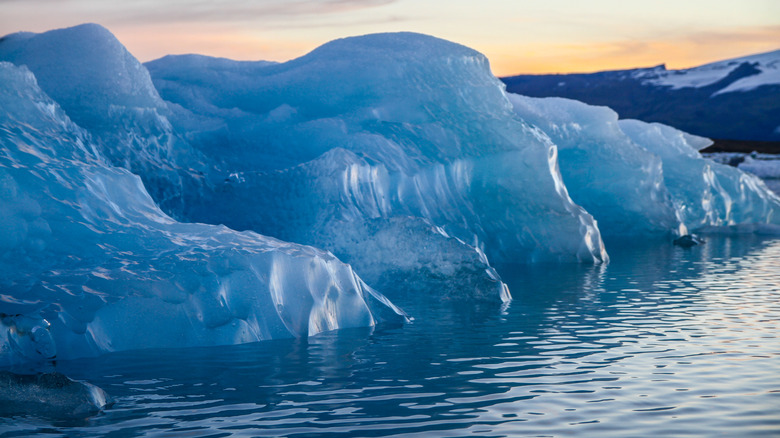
point(664, 342)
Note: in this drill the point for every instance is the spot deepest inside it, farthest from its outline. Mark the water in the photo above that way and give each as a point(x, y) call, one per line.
point(662, 342)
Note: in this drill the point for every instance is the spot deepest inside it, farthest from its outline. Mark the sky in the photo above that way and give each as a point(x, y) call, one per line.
point(518, 36)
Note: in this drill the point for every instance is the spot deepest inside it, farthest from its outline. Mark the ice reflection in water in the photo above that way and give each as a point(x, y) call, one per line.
point(663, 341)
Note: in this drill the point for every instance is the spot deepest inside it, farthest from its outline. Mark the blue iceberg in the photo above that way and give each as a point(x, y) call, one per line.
point(399, 136)
point(709, 196)
point(646, 179)
point(137, 199)
point(90, 264)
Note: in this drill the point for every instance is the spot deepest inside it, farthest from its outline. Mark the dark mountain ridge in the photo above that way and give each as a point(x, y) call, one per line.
point(736, 99)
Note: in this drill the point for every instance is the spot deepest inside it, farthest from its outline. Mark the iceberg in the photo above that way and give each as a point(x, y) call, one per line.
point(49, 395)
point(90, 264)
point(764, 166)
point(355, 150)
point(708, 196)
point(620, 183)
point(399, 154)
point(399, 136)
point(107, 92)
point(137, 200)
point(640, 178)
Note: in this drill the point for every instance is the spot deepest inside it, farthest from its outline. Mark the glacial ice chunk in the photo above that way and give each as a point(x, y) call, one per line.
point(90, 264)
point(131, 127)
point(706, 194)
point(105, 90)
point(49, 395)
point(399, 135)
point(764, 166)
point(618, 182)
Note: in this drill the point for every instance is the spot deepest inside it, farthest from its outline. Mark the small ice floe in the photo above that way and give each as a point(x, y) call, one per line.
point(49, 395)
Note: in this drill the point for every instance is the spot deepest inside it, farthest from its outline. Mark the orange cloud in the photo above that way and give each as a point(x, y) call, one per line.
point(678, 51)
point(155, 41)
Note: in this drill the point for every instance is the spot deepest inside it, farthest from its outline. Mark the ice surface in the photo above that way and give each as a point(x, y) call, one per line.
point(616, 181)
point(89, 263)
point(106, 91)
point(762, 165)
point(639, 178)
point(373, 135)
point(706, 194)
point(48, 395)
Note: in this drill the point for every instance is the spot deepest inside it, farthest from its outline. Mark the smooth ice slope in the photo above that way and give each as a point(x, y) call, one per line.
point(106, 91)
point(618, 182)
point(400, 135)
point(89, 264)
point(706, 194)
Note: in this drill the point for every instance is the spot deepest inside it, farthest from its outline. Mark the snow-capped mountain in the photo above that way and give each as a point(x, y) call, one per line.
point(733, 99)
point(765, 69)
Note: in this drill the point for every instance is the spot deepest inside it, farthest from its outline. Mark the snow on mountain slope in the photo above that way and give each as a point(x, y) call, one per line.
point(766, 65)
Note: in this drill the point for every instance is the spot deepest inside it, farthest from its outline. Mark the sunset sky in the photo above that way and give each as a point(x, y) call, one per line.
point(518, 36)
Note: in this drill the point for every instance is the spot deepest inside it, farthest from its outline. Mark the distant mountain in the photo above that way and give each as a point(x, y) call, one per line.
point(736, 99)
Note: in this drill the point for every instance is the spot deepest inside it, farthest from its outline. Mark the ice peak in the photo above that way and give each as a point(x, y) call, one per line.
point(387, 51)
point(88, 31)
point(396, 44)
point(83, 61)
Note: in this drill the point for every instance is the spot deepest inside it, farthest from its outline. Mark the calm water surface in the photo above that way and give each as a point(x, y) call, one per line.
point(662, 342)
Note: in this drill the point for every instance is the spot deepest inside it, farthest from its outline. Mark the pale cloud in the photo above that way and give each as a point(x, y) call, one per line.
point(149, 11)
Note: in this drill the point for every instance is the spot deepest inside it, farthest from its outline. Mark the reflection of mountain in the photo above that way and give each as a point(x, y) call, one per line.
point(732, 99)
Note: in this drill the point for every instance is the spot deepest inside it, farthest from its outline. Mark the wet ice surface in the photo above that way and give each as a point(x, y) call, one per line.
point(662, 341)
point(764, 166)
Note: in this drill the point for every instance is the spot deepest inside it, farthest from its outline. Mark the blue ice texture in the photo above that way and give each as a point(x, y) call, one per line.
point(89, 263)
point(640, 178)
point(138, 201)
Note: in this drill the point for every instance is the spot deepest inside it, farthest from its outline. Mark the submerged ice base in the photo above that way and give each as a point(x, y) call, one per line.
point(49, 395)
